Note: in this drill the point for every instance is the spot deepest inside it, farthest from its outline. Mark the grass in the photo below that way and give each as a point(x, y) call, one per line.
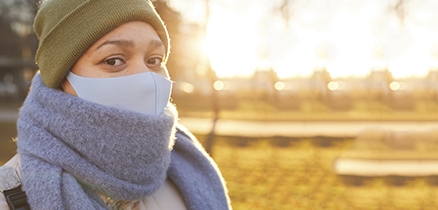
point(263, 175)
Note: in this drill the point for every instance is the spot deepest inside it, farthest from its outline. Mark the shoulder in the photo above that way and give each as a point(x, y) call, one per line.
point(183, 133)
point(15, 163)
point(12, 165)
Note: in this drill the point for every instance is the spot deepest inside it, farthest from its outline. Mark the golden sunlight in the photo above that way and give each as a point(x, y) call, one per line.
point(231, 44)
point(354, 42)
point(349, 39)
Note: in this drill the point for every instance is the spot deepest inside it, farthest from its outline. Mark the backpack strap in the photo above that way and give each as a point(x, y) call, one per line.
point(10, 186)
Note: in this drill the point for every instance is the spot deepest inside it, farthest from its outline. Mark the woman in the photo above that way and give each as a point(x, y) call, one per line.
point(96, 130)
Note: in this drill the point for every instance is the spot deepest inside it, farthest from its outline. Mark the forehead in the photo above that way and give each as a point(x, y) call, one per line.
point(134, 31)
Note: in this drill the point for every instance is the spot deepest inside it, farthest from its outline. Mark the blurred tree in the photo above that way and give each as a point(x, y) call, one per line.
point(9, 41)
point(172, 20)
point(17, 37)
point(18, 45)
point(400, 9)
point(284, 7)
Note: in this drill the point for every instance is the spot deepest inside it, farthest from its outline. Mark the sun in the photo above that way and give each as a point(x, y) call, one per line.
point(231, 44)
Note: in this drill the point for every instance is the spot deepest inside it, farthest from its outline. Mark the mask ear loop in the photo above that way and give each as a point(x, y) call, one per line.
point(71, 78)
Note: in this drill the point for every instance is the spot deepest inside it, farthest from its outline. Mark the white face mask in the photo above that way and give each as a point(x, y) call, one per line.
point(146, 93)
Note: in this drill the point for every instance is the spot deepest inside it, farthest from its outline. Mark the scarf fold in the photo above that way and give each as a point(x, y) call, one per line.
point(201, 191)
point(68, 145)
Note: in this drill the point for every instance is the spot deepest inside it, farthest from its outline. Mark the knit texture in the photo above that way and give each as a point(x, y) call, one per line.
point(204, 190)
point(67, 28)
point(71, 148)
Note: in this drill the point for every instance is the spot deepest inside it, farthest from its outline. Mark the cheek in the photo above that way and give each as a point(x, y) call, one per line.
point(84, 67)
point(89, 71)
point(80, 69)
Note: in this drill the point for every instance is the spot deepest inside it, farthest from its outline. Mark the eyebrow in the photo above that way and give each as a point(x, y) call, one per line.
point(156, 43)
point(128, 43)
point(121, 42)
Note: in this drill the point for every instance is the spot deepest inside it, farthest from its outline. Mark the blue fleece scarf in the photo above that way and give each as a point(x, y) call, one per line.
point(71, 148)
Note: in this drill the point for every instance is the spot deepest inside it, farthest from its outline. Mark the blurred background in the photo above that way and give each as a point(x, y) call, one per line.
point(304, 104)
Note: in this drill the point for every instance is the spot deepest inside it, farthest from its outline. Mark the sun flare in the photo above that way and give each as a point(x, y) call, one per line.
point(231, 44)
point(347, 42)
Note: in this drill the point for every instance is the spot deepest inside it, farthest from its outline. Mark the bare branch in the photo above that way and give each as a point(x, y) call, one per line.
point(400, 9)
point(285, 10)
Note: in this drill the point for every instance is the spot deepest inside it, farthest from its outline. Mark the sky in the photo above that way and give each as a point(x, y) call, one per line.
point(346, 37)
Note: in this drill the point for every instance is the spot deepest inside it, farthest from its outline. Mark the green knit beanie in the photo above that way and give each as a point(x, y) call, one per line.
point(67, 28)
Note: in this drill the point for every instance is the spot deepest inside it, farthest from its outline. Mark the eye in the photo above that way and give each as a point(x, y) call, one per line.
point(114, 62)
point(155, 62)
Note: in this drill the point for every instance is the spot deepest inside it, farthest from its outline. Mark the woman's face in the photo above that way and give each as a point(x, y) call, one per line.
point(131, 48)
